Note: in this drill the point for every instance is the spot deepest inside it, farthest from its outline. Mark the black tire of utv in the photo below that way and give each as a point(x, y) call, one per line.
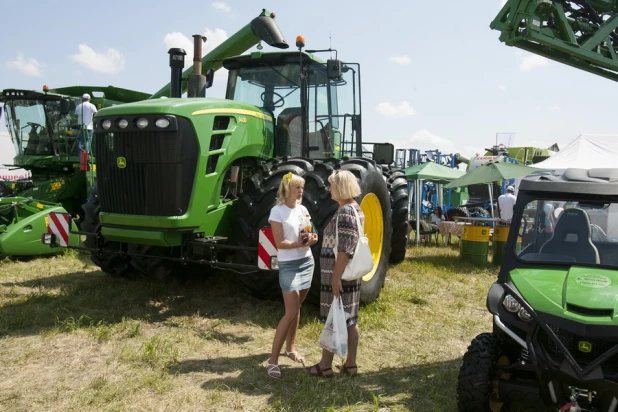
point(474, 383)
point(398, 188)
point(371, 180)
point(254, 209)
point(110, 263)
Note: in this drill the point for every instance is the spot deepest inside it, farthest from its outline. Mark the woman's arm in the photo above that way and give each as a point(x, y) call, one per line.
point(281, 243)
point(342, 261)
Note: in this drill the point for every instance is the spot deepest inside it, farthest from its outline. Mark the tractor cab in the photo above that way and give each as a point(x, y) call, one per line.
point(40, 124)
point(315, 104)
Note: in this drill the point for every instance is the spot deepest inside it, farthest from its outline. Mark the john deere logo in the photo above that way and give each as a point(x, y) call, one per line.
point(121, 162)
point(584, 346)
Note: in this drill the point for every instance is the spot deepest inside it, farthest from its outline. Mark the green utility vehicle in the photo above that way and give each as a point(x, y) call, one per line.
point(554, 305)
point(183, 183)
point(44, 130)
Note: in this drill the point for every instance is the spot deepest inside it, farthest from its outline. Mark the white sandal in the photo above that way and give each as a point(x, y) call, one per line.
point(294, 356)
point(273, 370)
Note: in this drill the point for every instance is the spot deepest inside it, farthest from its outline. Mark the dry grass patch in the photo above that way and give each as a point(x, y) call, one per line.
point(72, 338)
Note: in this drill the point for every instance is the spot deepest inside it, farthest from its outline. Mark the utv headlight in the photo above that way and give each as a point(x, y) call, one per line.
point(106, 124)
point(524, 315)
point(511, 304)
point(142, 123)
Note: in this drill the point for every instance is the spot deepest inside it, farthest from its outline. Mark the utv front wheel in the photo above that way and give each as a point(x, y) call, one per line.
point(474, 383)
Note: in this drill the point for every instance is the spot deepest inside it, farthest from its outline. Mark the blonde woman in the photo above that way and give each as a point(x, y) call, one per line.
point(343, 189)
point(296, 265)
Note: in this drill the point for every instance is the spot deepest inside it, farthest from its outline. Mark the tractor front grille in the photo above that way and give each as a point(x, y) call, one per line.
point(147, 172)
point(583, 349)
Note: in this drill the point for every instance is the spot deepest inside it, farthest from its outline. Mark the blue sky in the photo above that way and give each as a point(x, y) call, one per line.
point(434, 75)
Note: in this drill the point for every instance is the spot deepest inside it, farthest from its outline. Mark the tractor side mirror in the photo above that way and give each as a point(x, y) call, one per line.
point(333, 69)
point(210, 78)
point(383, 153)
point(64, 106)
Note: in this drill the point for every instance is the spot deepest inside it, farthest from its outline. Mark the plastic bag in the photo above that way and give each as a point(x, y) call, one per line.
point(334, 337)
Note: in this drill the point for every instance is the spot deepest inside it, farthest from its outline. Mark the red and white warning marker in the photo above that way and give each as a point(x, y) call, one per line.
point(59, 224)
point(266, 249)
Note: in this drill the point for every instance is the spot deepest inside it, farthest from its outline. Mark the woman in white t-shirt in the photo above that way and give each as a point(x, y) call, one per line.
point(288, 219)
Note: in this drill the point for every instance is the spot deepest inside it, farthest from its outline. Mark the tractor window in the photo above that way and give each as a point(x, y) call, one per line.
point(38, 128)
point(570, 232)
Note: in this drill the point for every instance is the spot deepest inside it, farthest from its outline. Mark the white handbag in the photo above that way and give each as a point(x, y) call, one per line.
point(362, 261)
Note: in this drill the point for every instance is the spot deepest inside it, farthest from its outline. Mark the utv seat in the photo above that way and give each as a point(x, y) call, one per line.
point(572, 237)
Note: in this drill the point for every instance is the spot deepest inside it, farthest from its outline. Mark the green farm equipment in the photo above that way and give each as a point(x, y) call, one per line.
point(555, 325)
point(44, 131)
point(184, 184)
point(580, 33)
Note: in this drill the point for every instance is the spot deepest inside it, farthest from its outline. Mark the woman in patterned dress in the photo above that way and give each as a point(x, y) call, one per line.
point(343, 189)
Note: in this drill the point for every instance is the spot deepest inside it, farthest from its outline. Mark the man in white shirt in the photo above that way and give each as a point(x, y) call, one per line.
point(85, 111)
point(506, 202)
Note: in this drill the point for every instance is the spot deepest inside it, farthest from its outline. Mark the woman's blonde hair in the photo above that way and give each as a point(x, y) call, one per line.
point(288, 181)
point(343, 185)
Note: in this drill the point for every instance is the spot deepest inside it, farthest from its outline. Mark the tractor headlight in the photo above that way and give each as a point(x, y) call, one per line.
point(511, 304)
point(141, 123)
point(106, 124)
point(524, 315)
point(162, 123)
point(123, 123)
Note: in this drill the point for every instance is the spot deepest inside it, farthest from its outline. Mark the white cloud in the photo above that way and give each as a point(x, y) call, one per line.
point(109, 62)
point(532, 62)
point(219, 5)
point(402, 110)
point(26, 65)
point(213, 39)
point(403, 60)
point(501, 87)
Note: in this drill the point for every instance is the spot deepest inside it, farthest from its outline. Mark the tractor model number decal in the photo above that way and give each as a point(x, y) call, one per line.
point(242, 120)
point(121, 162)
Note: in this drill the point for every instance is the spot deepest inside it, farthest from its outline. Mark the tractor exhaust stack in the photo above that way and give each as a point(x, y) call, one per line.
point(177, 63)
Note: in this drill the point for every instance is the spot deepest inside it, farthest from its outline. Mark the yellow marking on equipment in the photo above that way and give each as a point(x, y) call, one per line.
point(39, 206)
point(55, 185)
point(584, 346)
point(252, 113)
point(374, 229)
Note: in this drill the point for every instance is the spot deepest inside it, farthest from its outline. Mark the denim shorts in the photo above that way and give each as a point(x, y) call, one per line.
point(296, 274)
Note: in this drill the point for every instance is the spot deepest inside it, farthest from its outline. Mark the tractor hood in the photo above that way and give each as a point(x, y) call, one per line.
point(581, 294)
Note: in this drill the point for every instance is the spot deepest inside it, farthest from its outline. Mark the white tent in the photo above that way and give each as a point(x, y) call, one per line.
point(587, 151)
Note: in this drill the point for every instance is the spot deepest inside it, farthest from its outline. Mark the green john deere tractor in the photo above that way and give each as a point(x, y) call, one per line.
point(183, 183)
point(554, 305)
point(44, 131)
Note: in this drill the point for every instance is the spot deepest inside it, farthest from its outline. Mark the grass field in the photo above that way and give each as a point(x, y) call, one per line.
point(73, 338)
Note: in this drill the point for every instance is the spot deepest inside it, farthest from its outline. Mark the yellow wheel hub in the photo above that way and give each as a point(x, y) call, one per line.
point(374, 229)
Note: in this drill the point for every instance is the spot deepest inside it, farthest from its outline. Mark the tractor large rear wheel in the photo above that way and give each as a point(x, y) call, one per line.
point(259, 197)
point(398, 188)
point(111, 263)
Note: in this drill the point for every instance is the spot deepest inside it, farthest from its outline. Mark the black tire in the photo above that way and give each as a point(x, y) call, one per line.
point(372, 180)
point(110, 263)
point(259, 197)
point(398, 189)
point(474, 383)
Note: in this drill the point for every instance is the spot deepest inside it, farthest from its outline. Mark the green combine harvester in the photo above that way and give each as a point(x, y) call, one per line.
point(44, 130)
point(185, 185)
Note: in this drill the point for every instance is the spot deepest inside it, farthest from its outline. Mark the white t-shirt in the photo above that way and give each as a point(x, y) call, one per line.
point(506, 202)
point(88, 110)
point(291, 220)
point(435, 219)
